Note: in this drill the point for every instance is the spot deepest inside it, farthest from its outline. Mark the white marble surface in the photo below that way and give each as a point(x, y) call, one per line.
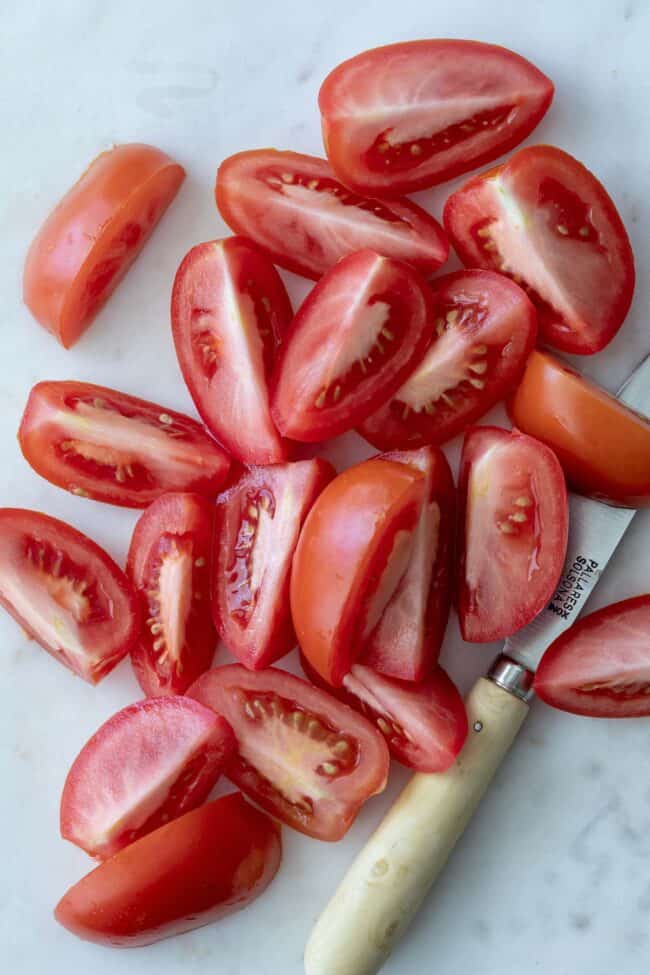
point(553, 876)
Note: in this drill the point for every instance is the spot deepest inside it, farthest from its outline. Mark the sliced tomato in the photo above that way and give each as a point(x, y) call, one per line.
point(353, 550)
point(91, 238)
point(515, 527)
point(229, 311)
point(546, 221)
point(102, 444)
point(353, 342)
point(306, 220)
point(406, 116)
point(602, 445)
point(257, 528)
point(149, 763)
point(600, 667)
point(485, 330)
point(197, 869)
point(66, 592)
point(169, 564)
point(304, 757)
point(406, 641)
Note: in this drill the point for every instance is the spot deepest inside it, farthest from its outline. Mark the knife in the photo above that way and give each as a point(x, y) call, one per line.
point(387, 882)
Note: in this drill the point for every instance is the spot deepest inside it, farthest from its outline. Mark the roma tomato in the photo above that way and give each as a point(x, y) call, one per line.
point(406, 641)
point(546, 221)
point(352, 344)
point(353, 550)
point(600, 667)
point(258, 522)
point(197, 869)
point(306, 220)
point(602, 445)
point(307, 759)
point(229, 311)
point(102, 444)
point(169, 564)
point(149, 763)
point(485, 329)
point(406, 116)
point(89, 241)
point(66, 592)
point(514, 523)
point(425, 725)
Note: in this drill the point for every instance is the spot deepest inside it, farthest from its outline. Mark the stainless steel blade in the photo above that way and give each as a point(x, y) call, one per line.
point(595, 529)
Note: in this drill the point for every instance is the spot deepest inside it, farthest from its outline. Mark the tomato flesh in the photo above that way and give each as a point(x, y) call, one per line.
point(295, 208)
point(351, 345)
point(66, 593)
point(102, 444)
point(515, 527)
point(149, 763)
point(303, 757)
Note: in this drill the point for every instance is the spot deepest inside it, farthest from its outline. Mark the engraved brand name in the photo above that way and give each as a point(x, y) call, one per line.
point(576, 583)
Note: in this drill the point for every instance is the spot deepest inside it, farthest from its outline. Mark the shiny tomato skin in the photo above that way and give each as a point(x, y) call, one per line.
point(102, 444)
point(514, 528)
point(353, 550)
point(406, 641)
point(304, 757)
point(485, 329)
point(91, 238)
point(600, 666)
point(602, 445)
point(169, 564)
point(406, 116)
point(197, 869)
point(545, 220)
point(353, 342)
point(229, 311)
point(258, 522)
point(296, 209)
point(149, 763)
point(66, 593)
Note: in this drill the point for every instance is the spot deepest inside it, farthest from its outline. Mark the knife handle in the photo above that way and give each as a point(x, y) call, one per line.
point(386, 884)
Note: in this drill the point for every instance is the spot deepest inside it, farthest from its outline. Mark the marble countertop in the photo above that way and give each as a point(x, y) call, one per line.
point(554, 874)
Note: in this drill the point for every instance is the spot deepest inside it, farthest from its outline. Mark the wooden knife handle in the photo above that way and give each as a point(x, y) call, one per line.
point(386, 884)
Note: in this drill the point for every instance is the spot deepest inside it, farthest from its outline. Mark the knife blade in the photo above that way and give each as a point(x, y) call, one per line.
point(387, 882)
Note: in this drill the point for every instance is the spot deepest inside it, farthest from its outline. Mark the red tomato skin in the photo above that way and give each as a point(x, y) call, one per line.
point(121, 599)
point(40, 442)
point(593, 651)
point(199, 868)
point(426, 246)
point(252, 280)
point(99, 227)
point(187, 521)
point(338, 136)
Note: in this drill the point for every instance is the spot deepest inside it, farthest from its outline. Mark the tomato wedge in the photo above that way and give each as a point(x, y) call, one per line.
point(406, 116)
point(353, 342)
point(406, 641)
point(169, 564)
point(295, 208)
point(197, 869)
point(485, 329)
point(257, 527)
point(602, 445)
point(425, 724)
point(304, 757)
point(102, 444)
point(149, 763)
point(66, 592)
point(229, 311)
point(546, 221)
point(515, 527)
point(91, 238)
point(353, 550)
